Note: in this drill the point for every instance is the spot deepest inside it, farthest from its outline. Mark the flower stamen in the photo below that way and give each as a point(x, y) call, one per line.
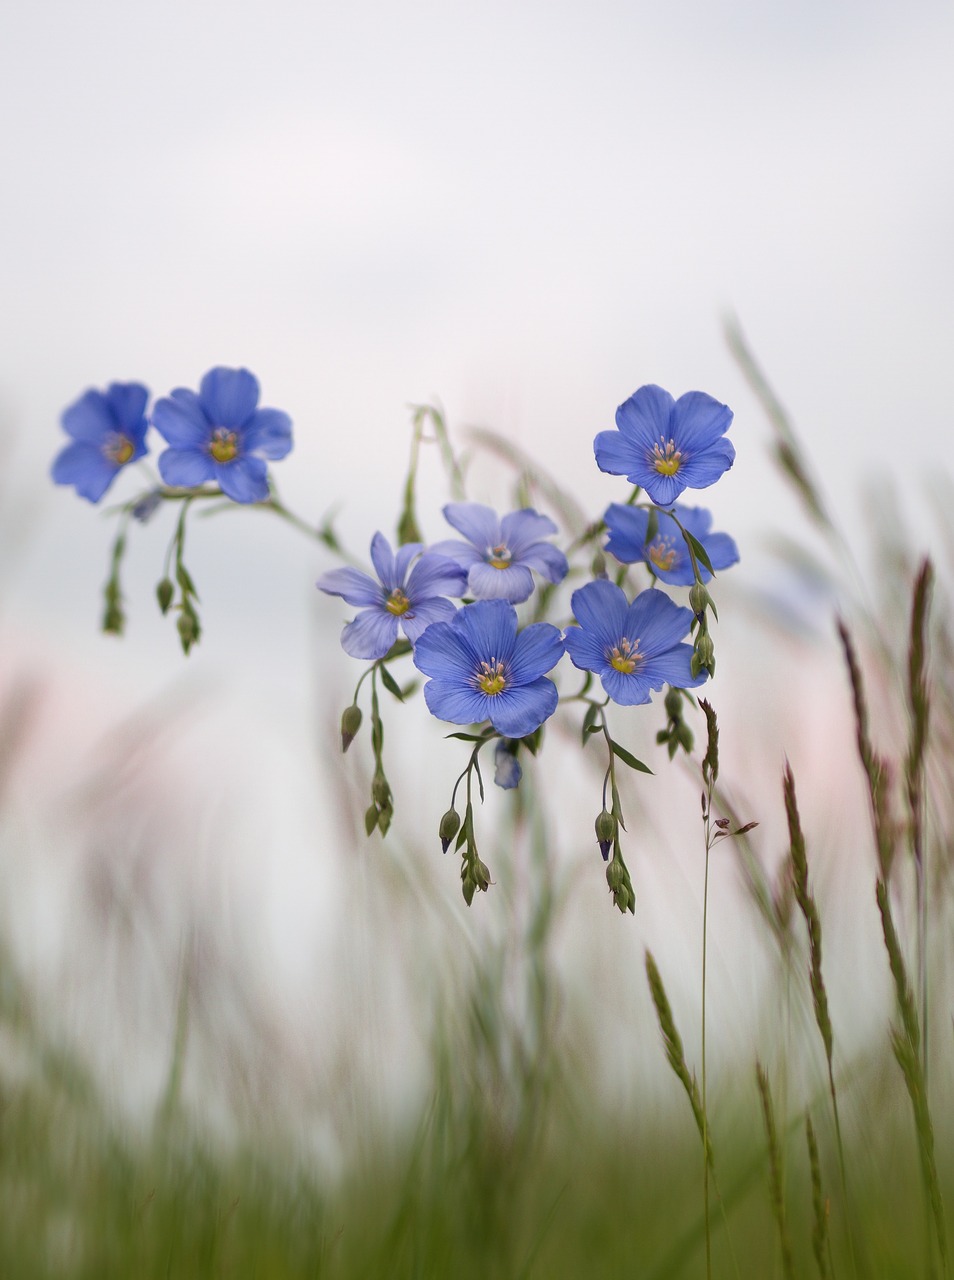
point(397, 603)
point(490, 679)
point(499, 557)
point(118, 448)
point(666, 459)
point(623, 656)
point(224, 444)
point(663, 553)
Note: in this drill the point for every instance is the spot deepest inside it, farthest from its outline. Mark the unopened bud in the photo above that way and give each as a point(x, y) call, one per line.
point(384, 819)
point(450, 825)
point(599, 565)
point(350, 724)
point(371, 818)
point(481, 874)
point(673, 704)
point(380, 790)
point(188, 632)
point(605, 832)
point(164, 593)
point(705, 652)
point(113, 619)
point(698, 598)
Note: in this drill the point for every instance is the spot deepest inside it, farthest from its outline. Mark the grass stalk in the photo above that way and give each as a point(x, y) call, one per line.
point(775, 1173)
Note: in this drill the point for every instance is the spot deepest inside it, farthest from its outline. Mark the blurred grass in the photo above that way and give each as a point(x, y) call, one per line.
point(513, 1165)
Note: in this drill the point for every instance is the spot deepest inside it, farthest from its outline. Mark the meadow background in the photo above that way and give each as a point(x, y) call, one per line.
point(239, 1039)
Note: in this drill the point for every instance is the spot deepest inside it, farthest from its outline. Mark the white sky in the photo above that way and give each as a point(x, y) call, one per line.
point(526, 209)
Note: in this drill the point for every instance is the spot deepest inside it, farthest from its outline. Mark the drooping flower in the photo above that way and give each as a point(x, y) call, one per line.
point(220, 435)
point(666, 445)
point(507, 769)
point(667, 554)
point(499, 553)
point(398, 598)
point(108, 430)
point(481, 668)
point(633, 648)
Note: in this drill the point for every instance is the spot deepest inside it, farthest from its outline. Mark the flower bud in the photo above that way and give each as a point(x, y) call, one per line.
point(598, 568)
point(605, 832)
point(705, 651)
point(673, 704)
point(698, 598)
point(350, 724)
point(113, 619)
point(384, 819)
point(370, 818)
point(380, 791)
point(164, 593)
point(450, 825)
point(185, 625)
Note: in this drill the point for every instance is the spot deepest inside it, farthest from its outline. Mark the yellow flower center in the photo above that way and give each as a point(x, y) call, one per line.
point(224, 444)
point(663, 553)
point(119, 449)
point(490, 678)
point(499, 557)
point(397, 603)
point(667, 459)
point(624, 656)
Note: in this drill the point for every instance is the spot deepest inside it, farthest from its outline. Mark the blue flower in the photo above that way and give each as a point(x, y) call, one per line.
point(221, 435)
point(507, 770)
point(410, 600)
point(633, 648)
point(482, 669)
point(667, 555)
point(499, 554)
point(667, 445)
point(109, 431)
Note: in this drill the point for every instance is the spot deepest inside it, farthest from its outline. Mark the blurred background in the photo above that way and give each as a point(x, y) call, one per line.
point(525, 211)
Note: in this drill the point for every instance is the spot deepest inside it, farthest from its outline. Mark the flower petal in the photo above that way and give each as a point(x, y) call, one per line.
point(478, 524)
point(521, 529)
point(128, 401)
point(186, 468)
point(441, 652)
point(721, 550)
point(627, 531)
point(85, 467)
point(489, 627)
point(601, 607)
point(229, 396)
point(463, 553)
point(615, 454)
point(455, 702)
point(627, 690)
point(656, 621)
point(416, 621)
point(664, 490)
point(537, 650)
point(268, 432)
point(89, 419)
point(179, 418)
point(243, 479)
point(515, 583)
point(371, 634)
point(382, 557)
point(646, 416)
point(402, 561)
point(705, 468)
point(548, 561)
point(352, 585)
point(672, 667)
point(522, 709)
point(699, 420)
point(435, 575)
point(587, 651)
